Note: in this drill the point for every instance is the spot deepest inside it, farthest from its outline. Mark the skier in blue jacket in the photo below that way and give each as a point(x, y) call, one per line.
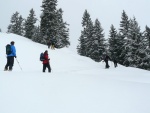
point(10, 57)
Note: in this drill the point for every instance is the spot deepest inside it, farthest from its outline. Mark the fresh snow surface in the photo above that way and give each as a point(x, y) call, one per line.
point(77, 84)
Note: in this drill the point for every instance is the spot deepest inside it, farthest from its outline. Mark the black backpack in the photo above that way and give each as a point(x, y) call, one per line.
point(42, 57)
point(8, 49)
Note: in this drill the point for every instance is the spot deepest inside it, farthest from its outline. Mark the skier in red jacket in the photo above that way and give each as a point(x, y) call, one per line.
point(46, 63)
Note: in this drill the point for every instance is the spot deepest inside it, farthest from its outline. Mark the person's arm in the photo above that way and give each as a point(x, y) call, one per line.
point(13, 51)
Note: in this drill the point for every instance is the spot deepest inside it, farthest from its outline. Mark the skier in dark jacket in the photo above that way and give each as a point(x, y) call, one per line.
point(10, 57)
point(49, 44)
point(106, 61)
point(115, 62)
point(46, 63)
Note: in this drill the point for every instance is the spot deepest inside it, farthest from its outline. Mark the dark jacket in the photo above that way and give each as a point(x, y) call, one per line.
point(107, 58)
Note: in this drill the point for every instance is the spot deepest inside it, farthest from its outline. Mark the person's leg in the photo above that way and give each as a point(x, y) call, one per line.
point(44, 67)
point(11, 63)
point(116, 64)
point(7, 64)
point(107, 65)
point(49, 68)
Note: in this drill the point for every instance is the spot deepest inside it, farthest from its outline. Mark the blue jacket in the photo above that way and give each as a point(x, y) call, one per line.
point(13, 49)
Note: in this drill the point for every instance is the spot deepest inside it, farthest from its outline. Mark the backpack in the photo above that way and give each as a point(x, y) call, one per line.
point(8, 49)
point(42, 57)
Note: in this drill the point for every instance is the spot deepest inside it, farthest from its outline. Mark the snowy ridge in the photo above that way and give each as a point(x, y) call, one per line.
point(76, 85)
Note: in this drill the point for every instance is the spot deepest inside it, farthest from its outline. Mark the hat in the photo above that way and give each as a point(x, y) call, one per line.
point(12, 42)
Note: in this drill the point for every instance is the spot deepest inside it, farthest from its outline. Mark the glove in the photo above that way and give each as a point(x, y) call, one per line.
point(15, 56)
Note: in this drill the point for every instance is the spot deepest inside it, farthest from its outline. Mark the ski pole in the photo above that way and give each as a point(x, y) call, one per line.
point(18, 64)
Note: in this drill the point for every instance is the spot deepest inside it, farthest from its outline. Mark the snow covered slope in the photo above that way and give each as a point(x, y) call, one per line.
point(76, 85)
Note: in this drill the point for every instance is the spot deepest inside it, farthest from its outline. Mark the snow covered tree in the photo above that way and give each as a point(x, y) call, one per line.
point(147, 36)
point(81, 48)
point(29, 24)
point(146, 59)
point(48, 19)
point(89, 33)
point(20, 26)
point(85, 40)
point(62, 32)
point(98, 46)
point(143, 60)
point(114, 45)
point(134, 45)
point(123, 34)
point(124, 24)
point(16, 25)
point(53, 28)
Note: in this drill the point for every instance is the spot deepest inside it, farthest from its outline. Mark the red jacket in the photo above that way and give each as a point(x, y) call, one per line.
point(46, 61)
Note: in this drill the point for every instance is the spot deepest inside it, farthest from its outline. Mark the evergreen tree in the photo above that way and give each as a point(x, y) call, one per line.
point(85, 40)
point(124, 25)
point(16, 25)
point(123, 34)
point(62, 32)
point(114, 45)
point(147, 36)
point(82, 45)
point(89, 33)
point(20, 26)
point(29, 24)
point(48, 19)
point(53, 28)
point(146, 59)
point(98, 46)
point(143, 60)
point(133, 44)
point(12, 28)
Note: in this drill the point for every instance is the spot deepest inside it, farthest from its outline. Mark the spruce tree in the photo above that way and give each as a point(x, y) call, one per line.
point(147, 36)
point(20, 24)
point(62, 32)
point(87, 24)
point(53, 27)
point(123, 34)
point(133, 44)
point(81, 48)
point(114, 45)
point(48, 20)
point(29, 24)
point(89, 33)
point(98, 46)
point(16, 25)
point(143, 60)
point(146, 59)
point(85, 40)
point(12, 28)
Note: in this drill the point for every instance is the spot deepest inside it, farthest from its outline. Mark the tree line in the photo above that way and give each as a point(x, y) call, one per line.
point(129, 45)
point(52, 26)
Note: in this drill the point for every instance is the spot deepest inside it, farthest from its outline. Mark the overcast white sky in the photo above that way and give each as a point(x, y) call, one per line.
point(107, 11)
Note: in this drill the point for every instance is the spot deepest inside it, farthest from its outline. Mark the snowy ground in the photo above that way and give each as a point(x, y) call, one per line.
point(76, 85)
